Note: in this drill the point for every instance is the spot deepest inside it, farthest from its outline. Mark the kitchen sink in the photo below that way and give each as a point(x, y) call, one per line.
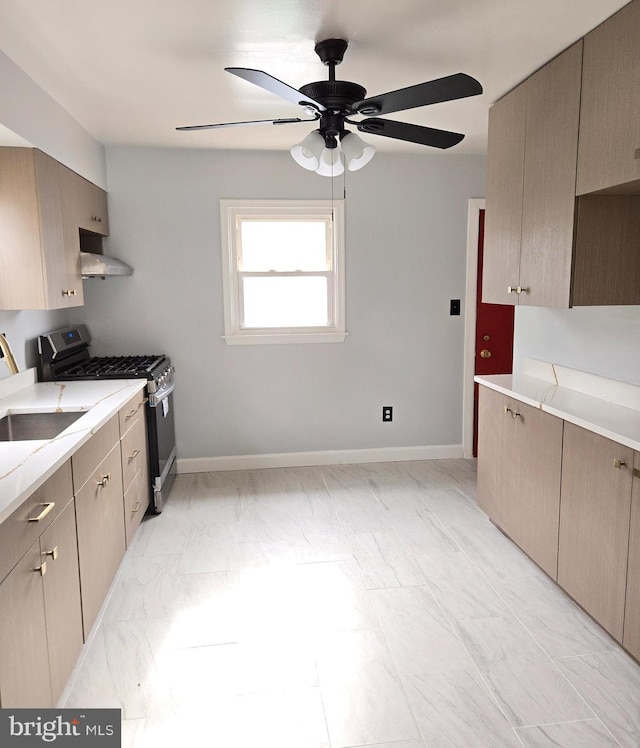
point(18, 427)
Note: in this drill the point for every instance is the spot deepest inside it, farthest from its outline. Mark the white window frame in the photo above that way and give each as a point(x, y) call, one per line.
point(232, 211)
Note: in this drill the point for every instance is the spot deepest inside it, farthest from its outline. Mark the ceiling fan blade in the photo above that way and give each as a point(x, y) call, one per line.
point(457, 86)
point(413, 133)
point(288, 121)
point(273, 85)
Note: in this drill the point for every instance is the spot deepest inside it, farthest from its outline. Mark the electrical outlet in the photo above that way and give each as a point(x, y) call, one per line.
point(387, 413)
point(454, 307)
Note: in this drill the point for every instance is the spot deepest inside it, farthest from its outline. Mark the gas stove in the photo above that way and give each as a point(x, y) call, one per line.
point(64, 356)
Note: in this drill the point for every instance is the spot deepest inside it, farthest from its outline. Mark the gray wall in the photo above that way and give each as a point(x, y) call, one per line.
point(602, 340)
point(406, 242)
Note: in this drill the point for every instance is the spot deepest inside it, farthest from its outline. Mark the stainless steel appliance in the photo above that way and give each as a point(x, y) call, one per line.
point(64, 356)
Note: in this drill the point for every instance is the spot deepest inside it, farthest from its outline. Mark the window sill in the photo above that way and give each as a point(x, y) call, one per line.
point(279, 337)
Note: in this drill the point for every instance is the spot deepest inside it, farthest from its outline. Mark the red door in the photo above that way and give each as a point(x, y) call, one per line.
point(494, 336)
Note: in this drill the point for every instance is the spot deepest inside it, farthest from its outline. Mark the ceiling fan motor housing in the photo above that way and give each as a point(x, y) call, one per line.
point(337, 96)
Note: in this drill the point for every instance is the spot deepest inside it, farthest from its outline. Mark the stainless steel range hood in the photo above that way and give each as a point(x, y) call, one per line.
point(101, 266)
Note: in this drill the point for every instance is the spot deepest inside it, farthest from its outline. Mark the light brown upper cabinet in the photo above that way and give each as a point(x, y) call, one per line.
point(543, 246)
point(609, 150)
point(530, 205)
point(44, 210)
point(84, 203)
point(31, 244)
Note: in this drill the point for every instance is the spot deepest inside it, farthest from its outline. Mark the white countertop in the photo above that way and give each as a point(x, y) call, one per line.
point(559, 395)
point(26, 465)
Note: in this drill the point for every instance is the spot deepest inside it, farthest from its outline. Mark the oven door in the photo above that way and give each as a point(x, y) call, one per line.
point(162, 444)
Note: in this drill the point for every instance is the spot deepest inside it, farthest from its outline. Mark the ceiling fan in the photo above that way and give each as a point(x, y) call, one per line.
point(332, 103)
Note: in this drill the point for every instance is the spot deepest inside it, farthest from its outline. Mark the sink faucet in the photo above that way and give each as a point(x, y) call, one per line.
point(7, 354)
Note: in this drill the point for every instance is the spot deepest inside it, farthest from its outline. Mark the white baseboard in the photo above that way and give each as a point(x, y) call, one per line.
point(331, 457)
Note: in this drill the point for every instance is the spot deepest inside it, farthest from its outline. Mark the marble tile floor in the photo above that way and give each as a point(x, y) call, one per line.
point(342, 607)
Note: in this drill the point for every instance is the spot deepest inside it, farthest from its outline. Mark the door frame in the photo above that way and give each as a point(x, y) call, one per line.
point(473, 219)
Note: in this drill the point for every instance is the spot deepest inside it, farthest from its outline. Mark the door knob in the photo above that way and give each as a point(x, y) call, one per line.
point(484, 353)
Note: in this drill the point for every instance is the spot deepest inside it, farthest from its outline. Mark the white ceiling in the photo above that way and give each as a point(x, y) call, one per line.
point(130, 71)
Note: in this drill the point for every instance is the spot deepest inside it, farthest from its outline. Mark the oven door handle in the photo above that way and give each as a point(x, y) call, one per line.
point(155, 398)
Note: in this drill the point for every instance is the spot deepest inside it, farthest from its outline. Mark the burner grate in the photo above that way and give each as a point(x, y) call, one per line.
point(116, 366)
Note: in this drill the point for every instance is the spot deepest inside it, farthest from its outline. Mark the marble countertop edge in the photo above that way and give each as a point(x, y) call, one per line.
point(617, 422)
point(26, 465)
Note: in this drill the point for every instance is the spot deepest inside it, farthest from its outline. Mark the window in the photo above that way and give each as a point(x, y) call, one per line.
point(283, 271)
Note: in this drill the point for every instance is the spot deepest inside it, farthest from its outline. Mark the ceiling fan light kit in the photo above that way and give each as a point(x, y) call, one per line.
point(331, 103)
point(313, 154)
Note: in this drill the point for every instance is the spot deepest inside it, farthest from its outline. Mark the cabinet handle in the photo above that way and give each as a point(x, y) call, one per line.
point(511, 289)
point(53, 553)
point(618, 463)
point(97, 219)
point(42, 568)
point(130, 414)
point(517, 289)
point(105, 479)
point(48, 506)
point(134, 454)
point(514, 413)
point(138, 505)
point(69, 292)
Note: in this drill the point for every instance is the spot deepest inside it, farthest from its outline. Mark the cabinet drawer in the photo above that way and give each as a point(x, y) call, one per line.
point(136, 501)
point(90, 455)
point(101, 542)
point(134, 451)
point(19, 531)
point(131, 411)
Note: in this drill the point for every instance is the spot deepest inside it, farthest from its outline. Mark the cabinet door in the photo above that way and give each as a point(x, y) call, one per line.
point(531, 516)
point(51, 232)
point(96, 217)
point(71, 232)
point(631, 638)
point(519, 464)
point(31, 241)
point(59, 547)
point(24, 656)
point(101, 538)
point(496, 477)
point(553, 113)
point(594, 524)
point(610, 115)
point(505, 183)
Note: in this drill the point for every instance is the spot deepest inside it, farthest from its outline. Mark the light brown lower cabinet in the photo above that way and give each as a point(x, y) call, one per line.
point(594, 524)
point(24, 655)
point(570, 499)
point(59, 548)
point(101, 537)
point(40, 622)
point(519, 464)
point(135, 464)
point(60, 554)
point(631, 636)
